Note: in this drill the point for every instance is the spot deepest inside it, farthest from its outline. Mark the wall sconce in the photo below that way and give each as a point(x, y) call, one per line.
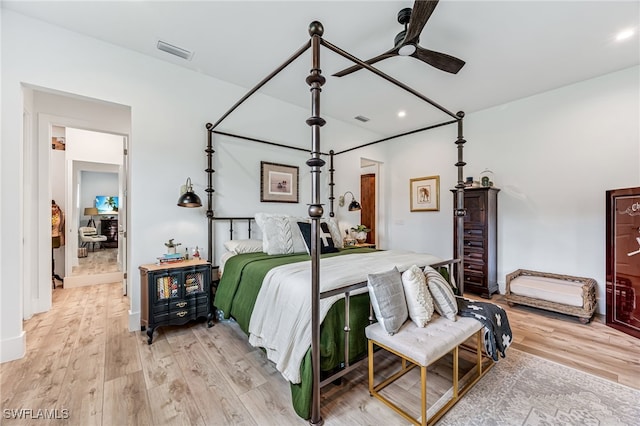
point(188, 197)
point(91, 211)
point(353, 205)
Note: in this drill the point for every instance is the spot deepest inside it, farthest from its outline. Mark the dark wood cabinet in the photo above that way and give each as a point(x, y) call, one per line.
point(109, 228)
point(623, 260)
point(174, 294)
point(480, 241)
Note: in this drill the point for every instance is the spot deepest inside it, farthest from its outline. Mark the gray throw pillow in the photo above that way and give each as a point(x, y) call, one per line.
point(387, 298)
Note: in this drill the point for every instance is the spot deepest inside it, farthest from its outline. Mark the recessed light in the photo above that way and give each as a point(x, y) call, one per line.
point(624, 34)
point(402, 114)
point(361, 118)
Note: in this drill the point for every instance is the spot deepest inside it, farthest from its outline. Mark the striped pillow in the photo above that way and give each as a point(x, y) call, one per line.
point(443, 298)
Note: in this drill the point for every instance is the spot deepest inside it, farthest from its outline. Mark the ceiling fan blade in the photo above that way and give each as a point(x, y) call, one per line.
point(442, 61)
point(420, 14)
point(385, 55)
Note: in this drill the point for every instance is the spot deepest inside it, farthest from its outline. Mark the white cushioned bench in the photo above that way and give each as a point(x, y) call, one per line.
point(422, 347)
point(554, 292)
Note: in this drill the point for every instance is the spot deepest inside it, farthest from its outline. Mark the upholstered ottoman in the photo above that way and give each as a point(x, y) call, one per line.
point(554, 292)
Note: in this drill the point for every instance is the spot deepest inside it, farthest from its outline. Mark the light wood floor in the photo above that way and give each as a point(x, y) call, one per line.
point(81, 358)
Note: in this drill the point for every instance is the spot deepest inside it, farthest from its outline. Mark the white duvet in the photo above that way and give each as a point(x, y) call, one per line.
point(281, 319)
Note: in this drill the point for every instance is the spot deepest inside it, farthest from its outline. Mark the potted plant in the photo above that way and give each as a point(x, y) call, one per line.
point(361, 233)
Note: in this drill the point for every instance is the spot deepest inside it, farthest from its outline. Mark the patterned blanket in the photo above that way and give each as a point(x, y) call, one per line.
point(497, 331)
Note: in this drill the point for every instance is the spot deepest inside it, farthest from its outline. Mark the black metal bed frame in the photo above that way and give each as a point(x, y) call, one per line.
point(315, 80)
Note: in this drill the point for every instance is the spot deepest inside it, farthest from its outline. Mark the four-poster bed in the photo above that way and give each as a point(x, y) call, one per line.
point(316, 210)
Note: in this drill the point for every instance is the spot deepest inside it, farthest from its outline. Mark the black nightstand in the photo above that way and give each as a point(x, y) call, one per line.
point(174, 294)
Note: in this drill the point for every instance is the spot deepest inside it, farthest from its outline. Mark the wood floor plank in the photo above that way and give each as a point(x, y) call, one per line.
point(82, 358)
point(126, 401)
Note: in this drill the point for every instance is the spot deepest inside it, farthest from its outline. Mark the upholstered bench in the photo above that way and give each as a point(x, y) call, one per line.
point(417, 346)
point(554, 292)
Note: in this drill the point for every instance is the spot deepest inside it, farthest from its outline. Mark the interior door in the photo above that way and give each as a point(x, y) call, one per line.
point(368, 203)
point(623, 260)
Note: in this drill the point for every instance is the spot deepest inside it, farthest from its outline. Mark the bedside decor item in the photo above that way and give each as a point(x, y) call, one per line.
point(278, 183)
point(486, 178)
point(353, 205)
point(425, 194)
point(188, 198)
point(361, 232)
point(171, 246)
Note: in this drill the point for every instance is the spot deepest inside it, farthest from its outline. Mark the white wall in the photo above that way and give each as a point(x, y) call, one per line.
point(169, 107)
point(553, 155)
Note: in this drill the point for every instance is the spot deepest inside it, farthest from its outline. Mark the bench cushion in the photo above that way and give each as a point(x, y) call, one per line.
point(425, 345)
point(549, 289)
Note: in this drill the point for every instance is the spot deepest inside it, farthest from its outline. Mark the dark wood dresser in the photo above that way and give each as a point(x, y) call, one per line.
point(480, 241)
point(109, 228)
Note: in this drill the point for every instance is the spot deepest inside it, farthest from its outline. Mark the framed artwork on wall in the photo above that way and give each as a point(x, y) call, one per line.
point(278, 183)
point(425, 194)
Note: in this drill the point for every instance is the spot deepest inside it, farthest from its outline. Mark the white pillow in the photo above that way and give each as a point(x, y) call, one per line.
point(387, 299)
point(443, 297)
point(278, 234)
point(243, 246)
point(417, 294)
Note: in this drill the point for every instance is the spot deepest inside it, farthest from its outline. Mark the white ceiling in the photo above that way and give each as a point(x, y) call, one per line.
point(512, 49)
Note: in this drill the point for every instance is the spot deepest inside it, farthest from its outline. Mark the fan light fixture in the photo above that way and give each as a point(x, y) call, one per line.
point(353, 205)
point(407, 50)
point(188, 197)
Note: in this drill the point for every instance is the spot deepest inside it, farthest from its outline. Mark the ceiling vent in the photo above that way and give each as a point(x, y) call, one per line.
point(361, 118)
point(175, 50)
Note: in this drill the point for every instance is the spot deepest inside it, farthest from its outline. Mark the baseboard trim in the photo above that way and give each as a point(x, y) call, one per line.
point(84, 280)
point(14, 348)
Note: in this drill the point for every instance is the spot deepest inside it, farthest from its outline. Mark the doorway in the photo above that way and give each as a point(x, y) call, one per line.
point(370, 196)
point(72, 111)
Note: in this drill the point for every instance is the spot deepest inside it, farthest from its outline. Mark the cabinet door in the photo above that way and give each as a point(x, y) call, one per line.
point(475, 203)
point(623, 260)
point(167, 286)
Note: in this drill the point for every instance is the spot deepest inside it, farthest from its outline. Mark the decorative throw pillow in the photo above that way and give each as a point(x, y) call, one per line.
point(243, 246)
point(280, 234)
point(443, 298)
point(387, 298)
point(419, 299)
point(276, 235)
point(326, 242)
point(334, 229)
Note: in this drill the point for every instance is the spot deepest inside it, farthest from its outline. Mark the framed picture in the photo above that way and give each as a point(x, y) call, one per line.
point(425, 194)
point(278, 183)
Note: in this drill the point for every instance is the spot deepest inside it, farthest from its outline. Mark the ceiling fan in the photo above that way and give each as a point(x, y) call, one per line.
point(406, 42)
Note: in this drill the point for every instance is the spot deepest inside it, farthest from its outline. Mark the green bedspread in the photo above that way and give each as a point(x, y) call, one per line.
point(236, 296)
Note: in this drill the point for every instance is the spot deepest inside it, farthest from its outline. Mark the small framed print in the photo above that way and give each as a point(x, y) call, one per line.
point(278, 183)
point(425, 194)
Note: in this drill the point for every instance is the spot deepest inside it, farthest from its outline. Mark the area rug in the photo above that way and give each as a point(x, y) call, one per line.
point(523, 389)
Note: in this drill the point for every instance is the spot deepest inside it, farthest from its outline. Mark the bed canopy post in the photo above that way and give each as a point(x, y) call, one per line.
point(331, 183)
point(459, 211)
point(209, 151)
point(315, 80)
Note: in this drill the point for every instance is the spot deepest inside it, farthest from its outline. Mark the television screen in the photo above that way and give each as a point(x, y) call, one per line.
point(106, 204)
